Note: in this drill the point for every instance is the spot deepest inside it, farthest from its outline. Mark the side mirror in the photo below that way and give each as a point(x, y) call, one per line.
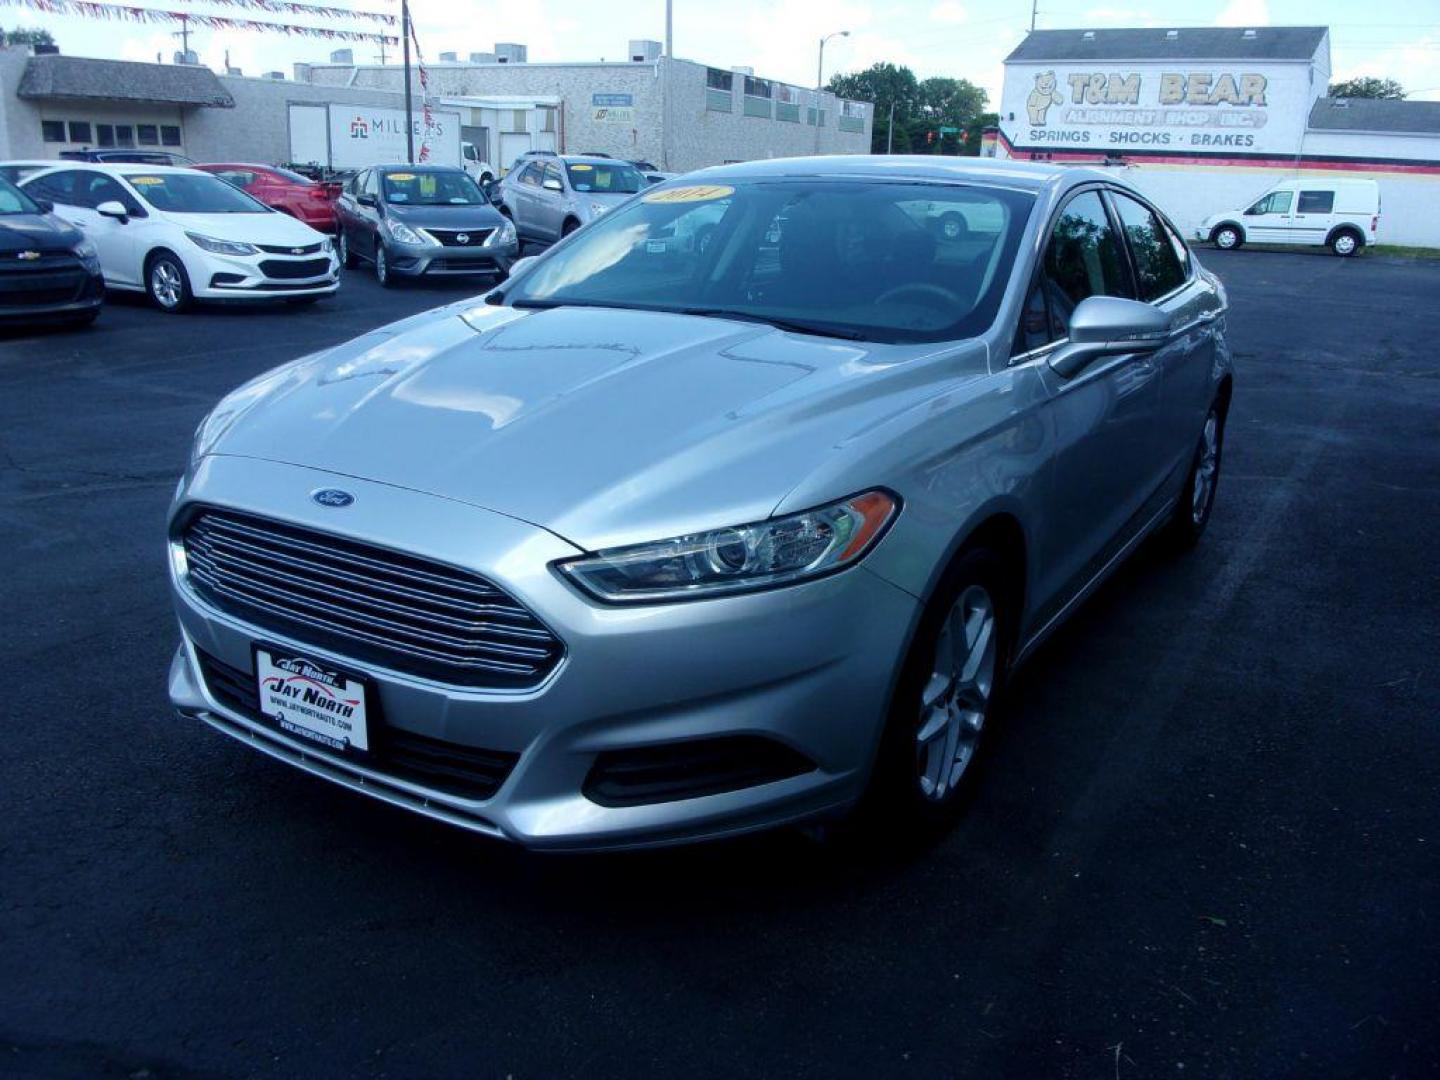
point(367, 199)
point(45, 206)
point(113, 208)
point(551, 184)
point(1109, 326)
point(487, 189)
point(1252, 212)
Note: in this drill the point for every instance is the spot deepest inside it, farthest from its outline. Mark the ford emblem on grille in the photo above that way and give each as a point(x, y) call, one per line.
point(332, 497)
point(462, 238)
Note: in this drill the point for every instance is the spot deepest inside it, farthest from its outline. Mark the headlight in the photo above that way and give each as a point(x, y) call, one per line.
point(505, 234)
point(327, 245)
point(403, 234)
point(744, 558)
point(86, 252)
point(221, 247)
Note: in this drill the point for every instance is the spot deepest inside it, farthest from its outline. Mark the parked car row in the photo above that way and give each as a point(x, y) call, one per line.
point(230, 231)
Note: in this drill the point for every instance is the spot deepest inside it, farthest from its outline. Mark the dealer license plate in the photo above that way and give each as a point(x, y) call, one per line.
point(312, 700)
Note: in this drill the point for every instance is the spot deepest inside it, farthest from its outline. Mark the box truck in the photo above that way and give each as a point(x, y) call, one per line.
point(340, 137)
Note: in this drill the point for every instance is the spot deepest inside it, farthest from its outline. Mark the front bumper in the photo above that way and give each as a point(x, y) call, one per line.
point(441, 260)
point(808, 667)
point(78, 302)
point(263, 276)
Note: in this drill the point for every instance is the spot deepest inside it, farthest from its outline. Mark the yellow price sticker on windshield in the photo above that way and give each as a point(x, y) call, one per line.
point(401, 177)
point(581, 167)
point(146, 181)
point(697, 193)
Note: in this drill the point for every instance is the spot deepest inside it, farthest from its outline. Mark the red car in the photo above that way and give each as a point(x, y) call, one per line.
point(299, 196)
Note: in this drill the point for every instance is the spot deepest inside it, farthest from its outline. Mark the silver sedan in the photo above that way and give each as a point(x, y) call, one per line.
point(665, 540)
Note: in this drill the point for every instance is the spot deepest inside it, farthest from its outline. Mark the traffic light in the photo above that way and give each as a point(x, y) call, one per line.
point(929, 138)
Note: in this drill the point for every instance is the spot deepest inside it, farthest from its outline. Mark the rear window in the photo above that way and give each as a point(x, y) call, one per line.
point(1316, 202)
point(616, 179)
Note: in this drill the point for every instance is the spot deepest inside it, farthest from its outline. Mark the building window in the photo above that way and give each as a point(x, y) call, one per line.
point(852, 116)
point(716, 79)
point(124, 135)
point(147, 134)
point(757, 97)
point(718, 87)
point(169, 134)
point(517, 121)
point(80, 131)
point(105, 134)
point(547, 117)
point(787, 104)
point(53, 130)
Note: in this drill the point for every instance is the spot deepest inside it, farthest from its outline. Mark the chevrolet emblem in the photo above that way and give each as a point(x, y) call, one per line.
point(297, 251)
point(28, 256)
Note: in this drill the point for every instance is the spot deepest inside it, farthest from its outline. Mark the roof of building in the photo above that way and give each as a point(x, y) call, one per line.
point(1375, 114)
point(1185, 43)
point(82, 78)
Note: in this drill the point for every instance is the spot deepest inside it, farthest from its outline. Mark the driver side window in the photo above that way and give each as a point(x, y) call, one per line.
point(1277, 202)
point(1083, 258)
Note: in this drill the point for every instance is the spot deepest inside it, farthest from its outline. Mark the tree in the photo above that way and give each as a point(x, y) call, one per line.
point(883, 84)
point(28, 35)
point(1368, 86)
point(920, 107)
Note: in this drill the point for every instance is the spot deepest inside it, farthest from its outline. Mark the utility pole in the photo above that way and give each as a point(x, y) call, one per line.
point(667, 72)
point(381, 57)
point(1034, 11)
point(409, 110)
point(890, 130)
point(184, 35)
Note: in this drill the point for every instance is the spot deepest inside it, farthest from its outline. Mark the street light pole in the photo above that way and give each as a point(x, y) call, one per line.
point(409, 113)
point(820, 81)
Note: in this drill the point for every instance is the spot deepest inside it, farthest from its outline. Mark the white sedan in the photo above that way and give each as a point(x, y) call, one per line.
point(182, 235)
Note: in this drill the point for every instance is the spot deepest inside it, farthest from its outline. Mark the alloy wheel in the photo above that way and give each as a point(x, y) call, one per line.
point(165, 283)
point(956, 698)
point(1203, 488)
point(1345, 244)
point(342, 242)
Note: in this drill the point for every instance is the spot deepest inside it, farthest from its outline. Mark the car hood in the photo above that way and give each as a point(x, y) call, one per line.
point(606, 427)
point(36, 232)
point(274, 229)
point(446, 217)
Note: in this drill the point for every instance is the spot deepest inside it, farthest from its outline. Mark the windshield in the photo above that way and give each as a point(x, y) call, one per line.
point(193, 193)
point(621, 178)
point(876, 260)
point(432, 189)
point(15, 201)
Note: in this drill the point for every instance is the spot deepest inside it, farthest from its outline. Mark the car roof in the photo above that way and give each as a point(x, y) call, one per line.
point(120, 168)
point(591, 159)
point(1027, 175)
point(427, 167)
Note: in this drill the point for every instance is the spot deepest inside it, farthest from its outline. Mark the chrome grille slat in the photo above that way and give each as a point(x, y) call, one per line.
point(367, 602)
point(211, 522)
point(293, 563)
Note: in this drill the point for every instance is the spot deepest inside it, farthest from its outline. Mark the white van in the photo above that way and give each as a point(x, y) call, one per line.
point(1341, 214)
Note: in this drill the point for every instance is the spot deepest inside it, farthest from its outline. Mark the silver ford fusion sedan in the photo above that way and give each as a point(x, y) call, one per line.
point(664, 540)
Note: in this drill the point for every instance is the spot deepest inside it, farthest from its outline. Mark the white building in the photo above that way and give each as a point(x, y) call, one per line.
point(1204, 120)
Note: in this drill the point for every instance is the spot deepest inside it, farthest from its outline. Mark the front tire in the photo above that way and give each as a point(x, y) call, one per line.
point(1347, 243)
point(382, 267)
point(1226, 237)
point(167, 283)
point(947, 697)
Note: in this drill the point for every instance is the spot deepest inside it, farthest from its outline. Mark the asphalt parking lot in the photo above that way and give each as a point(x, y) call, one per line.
point(1208, 843)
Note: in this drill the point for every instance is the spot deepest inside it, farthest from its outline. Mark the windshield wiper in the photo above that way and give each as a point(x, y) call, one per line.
point(817, 329)
point(546, 303)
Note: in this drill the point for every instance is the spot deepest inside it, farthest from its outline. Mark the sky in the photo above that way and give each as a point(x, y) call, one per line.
point(1400, 39)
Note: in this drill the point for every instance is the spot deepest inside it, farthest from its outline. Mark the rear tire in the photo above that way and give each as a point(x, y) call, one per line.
point(167, 283)
point(947, 698)
point(1347, 243)
point(1197, 498)
point(1226, 237)
point(348, 258)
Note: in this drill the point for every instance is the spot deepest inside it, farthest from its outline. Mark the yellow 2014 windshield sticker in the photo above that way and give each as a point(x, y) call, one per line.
point(400, 177)
point(146, 181)
point(696, 193)
point(582, 167)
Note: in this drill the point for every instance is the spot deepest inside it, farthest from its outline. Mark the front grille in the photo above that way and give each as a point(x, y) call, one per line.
point(451, 237)
point(366, 602)
point(51, 279)
point(463, 771)
point(307, 249)
point(308, 268)
point(688, 770)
